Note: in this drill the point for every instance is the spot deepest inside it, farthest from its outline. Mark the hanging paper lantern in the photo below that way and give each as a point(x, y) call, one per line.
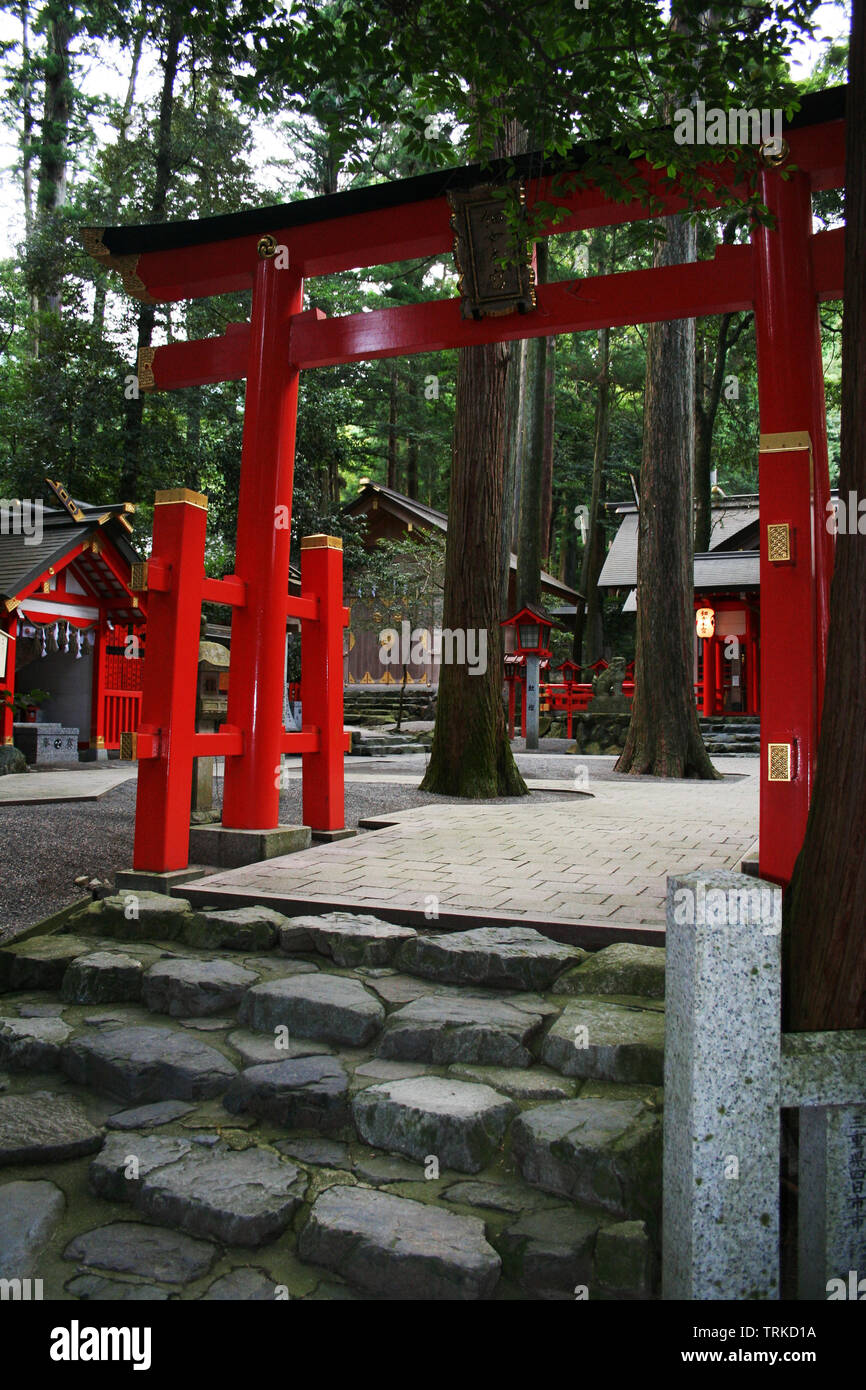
point(705, 622)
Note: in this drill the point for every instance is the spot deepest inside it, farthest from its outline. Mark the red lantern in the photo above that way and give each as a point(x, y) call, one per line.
point(532, 630)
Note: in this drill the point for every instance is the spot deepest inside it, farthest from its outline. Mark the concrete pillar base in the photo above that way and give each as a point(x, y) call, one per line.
point(151, 880)
point(229, 848)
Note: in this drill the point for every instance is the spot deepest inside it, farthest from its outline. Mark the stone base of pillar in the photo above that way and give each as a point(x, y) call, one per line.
point(152, 881)
point(230, 849)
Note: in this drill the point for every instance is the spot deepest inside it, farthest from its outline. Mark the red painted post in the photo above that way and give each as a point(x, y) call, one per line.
point(322, 682)
point(257, 671)
point(709, 676)
point(97, 690)
point(7, 682)
point(794, 489)
point(512, 695)
point(754, 667)
point(164, 741)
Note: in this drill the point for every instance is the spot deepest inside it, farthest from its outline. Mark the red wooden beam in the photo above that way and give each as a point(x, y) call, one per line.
point(198, 362)
point(229, 589)
point(719, 286)
point(228, 742)
point(828, 263)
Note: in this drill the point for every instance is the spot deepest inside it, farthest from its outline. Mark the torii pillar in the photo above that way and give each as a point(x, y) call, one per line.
point(796, 549)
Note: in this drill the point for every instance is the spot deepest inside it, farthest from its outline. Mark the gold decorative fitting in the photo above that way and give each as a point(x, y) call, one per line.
point(138, 576)
point(779, 543)
point(11, 604)
point(134, 601)
point(779, 762)
point(128, 747)
point(62, 496)
point(267, 247)
point(321, 543)
point(146, 380)
point(785, 442)
point(126, 266)
point(180, 494)
point(773, 153)
point(495, 276)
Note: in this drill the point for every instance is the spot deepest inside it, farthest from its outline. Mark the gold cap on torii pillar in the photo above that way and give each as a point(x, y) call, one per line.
point(321, 543)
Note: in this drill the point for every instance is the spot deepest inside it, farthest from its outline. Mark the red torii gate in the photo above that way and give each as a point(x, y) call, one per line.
point(782, 274)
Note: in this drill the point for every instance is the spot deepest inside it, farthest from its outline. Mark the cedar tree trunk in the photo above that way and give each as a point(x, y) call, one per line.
point(663, 737)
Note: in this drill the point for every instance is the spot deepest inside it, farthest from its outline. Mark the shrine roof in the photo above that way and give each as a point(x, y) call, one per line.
point(24, 559)
point(816, 108)
point(734, 520)
point(408, 510)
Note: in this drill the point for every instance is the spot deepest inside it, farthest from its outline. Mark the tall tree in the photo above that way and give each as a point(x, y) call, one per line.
point(824, 941)
point(533, 521)
point(588, 632)
point(172, 39)
point(471, 754)
point(663, 736)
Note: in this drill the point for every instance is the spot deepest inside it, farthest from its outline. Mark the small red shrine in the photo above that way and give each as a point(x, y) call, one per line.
point(72, 624)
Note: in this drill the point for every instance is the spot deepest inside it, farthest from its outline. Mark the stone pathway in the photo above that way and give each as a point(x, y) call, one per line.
point(593, 867)
point(88, 782)
point(237, 1105)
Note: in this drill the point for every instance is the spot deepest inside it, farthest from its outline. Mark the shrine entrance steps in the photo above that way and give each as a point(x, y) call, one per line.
point(734, 734)
point(373, 705)
point(239, 1105)
point(390, 744)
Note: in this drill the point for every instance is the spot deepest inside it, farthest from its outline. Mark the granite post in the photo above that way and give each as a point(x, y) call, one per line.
point(832, 1201)
point(722, 1088)
point(530, 695)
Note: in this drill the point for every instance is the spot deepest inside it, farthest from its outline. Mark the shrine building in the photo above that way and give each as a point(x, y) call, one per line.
point(70, 624)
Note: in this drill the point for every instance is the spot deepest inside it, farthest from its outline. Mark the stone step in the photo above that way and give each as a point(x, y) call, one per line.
point(459, 1123)
point(441, 1028)
point(607, 1041)
point(606, 1153)
point(195, 988)
point(389, 750)
point(397, 1248)
point(300, 1093)
point(139, 1064)
point(349, 939)
point(623, 968)
point(497, 957)
point(329, 1007)
point(246, 1198)
point(44, 1128)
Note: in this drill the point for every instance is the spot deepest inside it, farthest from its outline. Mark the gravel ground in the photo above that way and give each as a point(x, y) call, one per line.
point(44, 847)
